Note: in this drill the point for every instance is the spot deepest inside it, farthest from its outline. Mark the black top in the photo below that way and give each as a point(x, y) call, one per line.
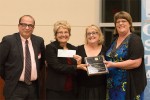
point(136, 80)
point(83, 78)
point(58, 68)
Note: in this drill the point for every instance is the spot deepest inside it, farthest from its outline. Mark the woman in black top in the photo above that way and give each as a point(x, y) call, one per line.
point(91, 87)
point(60, 83)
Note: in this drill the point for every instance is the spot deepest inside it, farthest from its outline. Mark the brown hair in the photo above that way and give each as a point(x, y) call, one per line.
point(123, 15)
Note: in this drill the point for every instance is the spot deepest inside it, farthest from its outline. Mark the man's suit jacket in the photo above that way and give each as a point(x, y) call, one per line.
point(11, 59)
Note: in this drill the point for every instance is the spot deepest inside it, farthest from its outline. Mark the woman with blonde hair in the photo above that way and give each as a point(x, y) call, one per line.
point(60, 83)
point(91, 87)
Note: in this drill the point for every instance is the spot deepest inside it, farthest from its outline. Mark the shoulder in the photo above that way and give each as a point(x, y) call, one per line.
point(52, 45)
point(11, 37)
point(80, 47)
point(70, 46)
point(37, 37)
point(9, 40)
point(134, 37)
point(37, 40)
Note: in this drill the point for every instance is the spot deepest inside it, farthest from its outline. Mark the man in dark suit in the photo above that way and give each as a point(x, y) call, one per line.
point(13, 61)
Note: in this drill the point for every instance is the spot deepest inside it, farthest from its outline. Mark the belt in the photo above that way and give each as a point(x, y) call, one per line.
point(30, 83)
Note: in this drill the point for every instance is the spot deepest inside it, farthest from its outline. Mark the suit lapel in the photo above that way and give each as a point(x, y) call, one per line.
point(19, 43)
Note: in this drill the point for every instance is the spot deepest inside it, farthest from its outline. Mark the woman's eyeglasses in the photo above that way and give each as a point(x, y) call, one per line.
point(91, 33)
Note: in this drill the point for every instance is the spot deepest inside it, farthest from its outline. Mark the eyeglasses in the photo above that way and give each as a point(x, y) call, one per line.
point(92, 33)
point(121, 21)
point(25, 25)
point(66, 32)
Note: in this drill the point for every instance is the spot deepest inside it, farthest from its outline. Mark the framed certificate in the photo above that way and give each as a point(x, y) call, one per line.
point(96, 65)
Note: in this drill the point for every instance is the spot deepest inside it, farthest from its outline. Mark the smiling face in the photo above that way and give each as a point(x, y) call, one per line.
point(26, 26)
point(92, 35)
point(122, 26)
point(62, 35)
point(123, 23)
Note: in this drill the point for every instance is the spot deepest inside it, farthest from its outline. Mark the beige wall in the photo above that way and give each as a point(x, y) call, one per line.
point(79, 13)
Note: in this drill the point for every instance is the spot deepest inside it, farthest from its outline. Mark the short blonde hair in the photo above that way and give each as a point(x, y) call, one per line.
point(63, 24)
point(98, 30)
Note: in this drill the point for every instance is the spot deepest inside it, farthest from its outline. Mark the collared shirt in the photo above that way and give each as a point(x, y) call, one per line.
point(33, 63)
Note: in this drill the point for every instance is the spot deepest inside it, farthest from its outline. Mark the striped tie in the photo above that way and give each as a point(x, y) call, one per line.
point(27, 78)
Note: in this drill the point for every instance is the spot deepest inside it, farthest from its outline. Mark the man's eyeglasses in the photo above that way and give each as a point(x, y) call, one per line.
point(92, 33)
point(25, 25)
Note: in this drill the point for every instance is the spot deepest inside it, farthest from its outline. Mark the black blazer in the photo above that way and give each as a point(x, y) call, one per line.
point(58, 67)
point(11, 59)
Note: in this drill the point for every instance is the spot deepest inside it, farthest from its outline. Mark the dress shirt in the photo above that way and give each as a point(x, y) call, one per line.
point(33, 63)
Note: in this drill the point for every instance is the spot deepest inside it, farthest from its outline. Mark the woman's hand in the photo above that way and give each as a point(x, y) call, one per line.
point(109, 64)
point(78, 58)
point(82, 66)
point(79, 65)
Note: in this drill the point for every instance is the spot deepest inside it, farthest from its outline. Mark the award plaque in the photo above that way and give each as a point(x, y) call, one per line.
point(96, 65)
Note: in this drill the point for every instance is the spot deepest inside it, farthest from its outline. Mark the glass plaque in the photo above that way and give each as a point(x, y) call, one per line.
point(96, 65)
